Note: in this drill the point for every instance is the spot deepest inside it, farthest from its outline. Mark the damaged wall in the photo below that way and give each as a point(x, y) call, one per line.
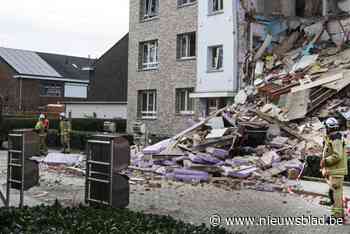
point(276, 7)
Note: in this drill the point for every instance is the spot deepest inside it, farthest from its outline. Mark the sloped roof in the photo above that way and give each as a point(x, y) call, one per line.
point(27, 62)
point(46, 65)
point(69, 66)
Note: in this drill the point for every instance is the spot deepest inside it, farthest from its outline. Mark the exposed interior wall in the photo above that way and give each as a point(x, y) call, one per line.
point(276, 7)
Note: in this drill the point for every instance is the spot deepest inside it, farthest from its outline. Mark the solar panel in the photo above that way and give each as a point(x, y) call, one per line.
point(27, 62)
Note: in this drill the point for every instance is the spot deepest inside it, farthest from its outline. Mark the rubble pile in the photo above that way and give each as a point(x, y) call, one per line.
point(299, 63)
point(298, 75)
point(237, 142)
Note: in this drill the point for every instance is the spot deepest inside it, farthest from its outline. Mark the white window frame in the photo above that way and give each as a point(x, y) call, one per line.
point(215, 62)
point(147, 9)
point(148, 113)
point(182, 3)
point(187, 37)
point(187, 92)
point(150, 60)
point(218, 3)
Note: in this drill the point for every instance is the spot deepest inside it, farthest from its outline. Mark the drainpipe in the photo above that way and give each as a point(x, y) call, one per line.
point(236, 43)
point(20, 95)
point(2, 101)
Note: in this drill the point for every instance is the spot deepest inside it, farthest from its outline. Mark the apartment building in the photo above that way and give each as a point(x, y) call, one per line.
point(217, 63)
point(229, 33)
point(188, 58)
point(162, 65)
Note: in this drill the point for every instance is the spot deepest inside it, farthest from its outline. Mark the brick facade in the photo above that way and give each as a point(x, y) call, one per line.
point(31, 100)
point(172, 73)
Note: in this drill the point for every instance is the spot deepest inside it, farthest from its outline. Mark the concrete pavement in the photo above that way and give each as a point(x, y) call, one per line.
point(193, 204)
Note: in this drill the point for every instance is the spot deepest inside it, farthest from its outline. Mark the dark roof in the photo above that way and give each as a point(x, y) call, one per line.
point(110, 80)
point(69, 66)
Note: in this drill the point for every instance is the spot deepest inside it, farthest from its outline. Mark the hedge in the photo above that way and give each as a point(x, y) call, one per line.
point(82, 129)
point(78, 139)
point(89, 125)
point(57, 219)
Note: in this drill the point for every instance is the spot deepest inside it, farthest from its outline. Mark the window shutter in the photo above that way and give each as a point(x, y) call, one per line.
point(177, 101)
point(193, 44)
point(178, 46)
point(140, 60)
point(139, 104)
point(156, 51)
point(157, 7)
point(190, 105)
point(155, 100)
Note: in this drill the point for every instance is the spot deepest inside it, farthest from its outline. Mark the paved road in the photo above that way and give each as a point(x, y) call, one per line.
point(193, 204)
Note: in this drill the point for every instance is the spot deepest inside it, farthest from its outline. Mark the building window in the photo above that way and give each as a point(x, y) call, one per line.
point(184, 104)
point(216, 6)
point(147, 104)
point(150, 9)
point(50, 90)
point(186, 45)
point(149, 55)
point(182, 3)
point(215, 58)
point(213, 105)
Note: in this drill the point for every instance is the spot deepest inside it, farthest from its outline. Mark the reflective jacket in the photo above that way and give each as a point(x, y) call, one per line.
point(40, 128)
point(334, 155)
point(65, 127)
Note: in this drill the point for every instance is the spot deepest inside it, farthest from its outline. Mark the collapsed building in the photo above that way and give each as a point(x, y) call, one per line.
point(293, 65)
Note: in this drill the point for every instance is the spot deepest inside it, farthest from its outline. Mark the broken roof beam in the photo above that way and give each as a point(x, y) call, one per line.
point(319, 82)
point(201, 123)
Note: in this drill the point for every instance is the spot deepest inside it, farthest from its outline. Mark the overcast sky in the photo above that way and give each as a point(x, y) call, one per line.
point(73, 27)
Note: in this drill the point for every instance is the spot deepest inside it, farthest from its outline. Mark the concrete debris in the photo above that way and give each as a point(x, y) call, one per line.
point(296, 69)
point(269, 158)
point(241, 97)
point(54, 158)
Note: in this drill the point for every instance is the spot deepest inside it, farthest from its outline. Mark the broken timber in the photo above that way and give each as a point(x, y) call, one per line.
point(318, 82)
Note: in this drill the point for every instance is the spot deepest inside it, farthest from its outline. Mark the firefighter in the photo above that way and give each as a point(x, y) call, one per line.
point(334, 165)
point(40, 129)
point(65, 130)
point(46, 124)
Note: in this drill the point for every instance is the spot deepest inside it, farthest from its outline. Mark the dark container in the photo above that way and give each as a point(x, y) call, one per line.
point(24, 144)
point(31, 175)
point(120, 191)
point(118, 151)
point(29, 143)
point(254, 136)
